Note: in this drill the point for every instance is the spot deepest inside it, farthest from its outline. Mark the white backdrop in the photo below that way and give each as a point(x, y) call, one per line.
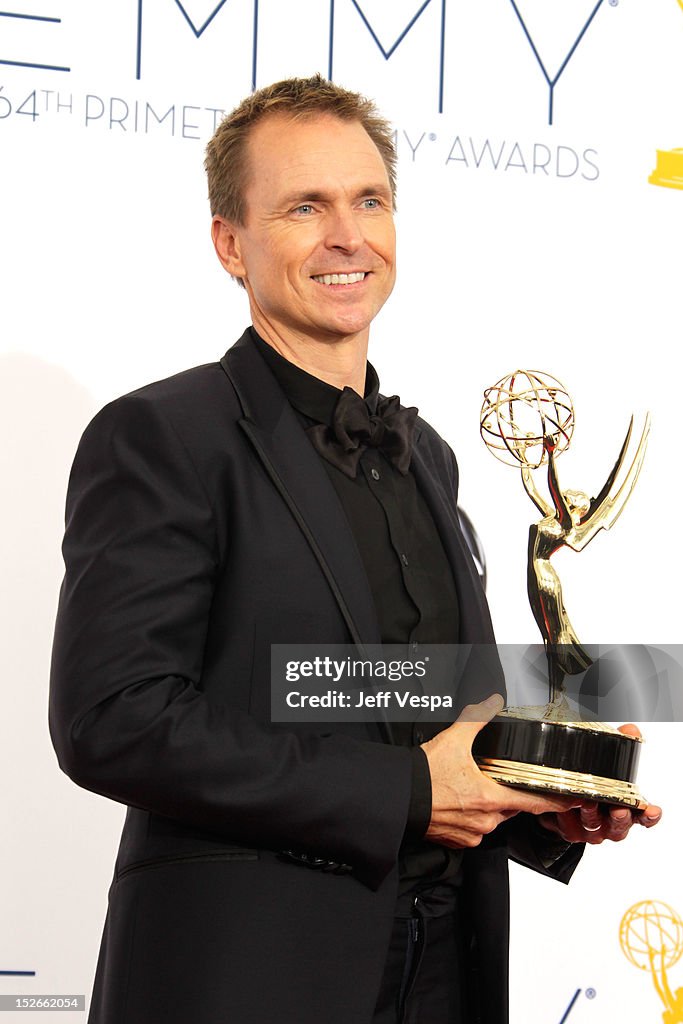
point(521, 243)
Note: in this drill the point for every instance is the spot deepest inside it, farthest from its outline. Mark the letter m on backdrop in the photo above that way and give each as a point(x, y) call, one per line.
point(388, 53)
point(198, 31)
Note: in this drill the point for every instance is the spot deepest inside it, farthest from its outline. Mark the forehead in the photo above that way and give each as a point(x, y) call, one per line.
point(285, 154)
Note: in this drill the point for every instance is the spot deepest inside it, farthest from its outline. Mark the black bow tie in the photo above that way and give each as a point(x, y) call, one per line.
point(354, 428)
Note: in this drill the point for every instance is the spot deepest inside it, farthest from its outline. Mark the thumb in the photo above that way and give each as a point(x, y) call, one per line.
point(478, 715)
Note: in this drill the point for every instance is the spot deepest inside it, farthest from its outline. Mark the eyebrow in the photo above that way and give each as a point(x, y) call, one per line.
point(316, 196)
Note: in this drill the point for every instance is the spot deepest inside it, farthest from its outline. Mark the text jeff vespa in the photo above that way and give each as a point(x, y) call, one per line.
point(361, 699)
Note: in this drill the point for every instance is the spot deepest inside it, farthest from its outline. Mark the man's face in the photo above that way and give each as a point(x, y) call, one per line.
point(317, 250)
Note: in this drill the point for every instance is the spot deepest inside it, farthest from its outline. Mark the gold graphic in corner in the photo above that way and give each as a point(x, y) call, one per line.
point(669, 169)
point(651, 937)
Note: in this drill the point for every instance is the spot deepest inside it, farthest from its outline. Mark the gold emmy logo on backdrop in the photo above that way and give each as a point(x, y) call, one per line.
point(669, 169)
point(651, 937)
point(527, 421)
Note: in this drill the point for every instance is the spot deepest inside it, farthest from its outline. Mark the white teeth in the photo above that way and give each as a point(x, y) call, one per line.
point(339, 278)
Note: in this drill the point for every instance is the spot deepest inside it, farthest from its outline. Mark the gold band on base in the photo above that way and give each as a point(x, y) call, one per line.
point(538, 777)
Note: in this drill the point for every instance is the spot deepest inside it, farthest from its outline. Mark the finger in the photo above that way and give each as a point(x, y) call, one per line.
point(590, 817)
point(617, 823)
point(540, 803)
point(650, 816)
point(568, 826)
point(631, 730)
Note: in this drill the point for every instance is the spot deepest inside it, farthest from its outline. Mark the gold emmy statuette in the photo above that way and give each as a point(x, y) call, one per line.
point(651, 937)
point(669, 168)
point(527, 421)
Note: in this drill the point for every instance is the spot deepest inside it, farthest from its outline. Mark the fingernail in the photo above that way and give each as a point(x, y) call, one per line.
point(620, 815)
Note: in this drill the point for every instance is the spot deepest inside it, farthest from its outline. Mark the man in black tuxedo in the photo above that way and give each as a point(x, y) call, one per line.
point(345, 874)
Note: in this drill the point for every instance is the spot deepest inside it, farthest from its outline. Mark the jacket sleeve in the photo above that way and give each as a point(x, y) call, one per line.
point(534, 847)
point(128, 716)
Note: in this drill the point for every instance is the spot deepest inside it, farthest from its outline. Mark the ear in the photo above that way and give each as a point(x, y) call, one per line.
point(226, 242)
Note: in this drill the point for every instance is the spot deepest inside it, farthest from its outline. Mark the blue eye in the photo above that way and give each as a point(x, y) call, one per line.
point(304, 208)
point(371, 204)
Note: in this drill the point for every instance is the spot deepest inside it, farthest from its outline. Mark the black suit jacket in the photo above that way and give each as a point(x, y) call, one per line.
point(202, 528)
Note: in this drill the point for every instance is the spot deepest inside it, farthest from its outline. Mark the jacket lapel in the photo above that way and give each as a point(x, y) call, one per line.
point(475, 621)
point(296, 471)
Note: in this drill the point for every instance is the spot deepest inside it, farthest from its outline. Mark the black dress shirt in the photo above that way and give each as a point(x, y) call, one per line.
point(411, 583)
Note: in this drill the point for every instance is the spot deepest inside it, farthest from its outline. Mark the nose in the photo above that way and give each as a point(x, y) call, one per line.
point(343, 231)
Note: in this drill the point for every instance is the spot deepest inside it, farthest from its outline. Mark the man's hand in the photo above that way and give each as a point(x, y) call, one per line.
point(466, 805)
point(594, 823)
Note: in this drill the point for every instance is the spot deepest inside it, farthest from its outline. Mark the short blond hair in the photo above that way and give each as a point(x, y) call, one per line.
point(226, 160)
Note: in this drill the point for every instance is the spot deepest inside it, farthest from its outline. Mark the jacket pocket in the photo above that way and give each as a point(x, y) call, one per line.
point(236, 854)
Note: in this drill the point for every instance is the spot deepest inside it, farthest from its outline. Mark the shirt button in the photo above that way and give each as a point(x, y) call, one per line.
point(414, 646)
point(404, 559)
point(419, 736)
point(374, 474)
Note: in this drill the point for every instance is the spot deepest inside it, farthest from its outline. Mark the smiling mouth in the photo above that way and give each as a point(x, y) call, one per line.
point(340, 278)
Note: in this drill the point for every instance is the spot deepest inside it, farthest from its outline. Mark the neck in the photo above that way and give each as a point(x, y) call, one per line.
point(340, 362)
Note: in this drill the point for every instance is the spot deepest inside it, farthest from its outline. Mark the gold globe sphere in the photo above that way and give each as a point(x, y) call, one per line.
point(651, 935)
point(519, 411)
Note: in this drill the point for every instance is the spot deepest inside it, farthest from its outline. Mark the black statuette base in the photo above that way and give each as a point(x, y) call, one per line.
point(561, 757)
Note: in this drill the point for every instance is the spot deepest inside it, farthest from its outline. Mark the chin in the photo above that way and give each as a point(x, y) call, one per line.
point(354, 324)
point(343, 331)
